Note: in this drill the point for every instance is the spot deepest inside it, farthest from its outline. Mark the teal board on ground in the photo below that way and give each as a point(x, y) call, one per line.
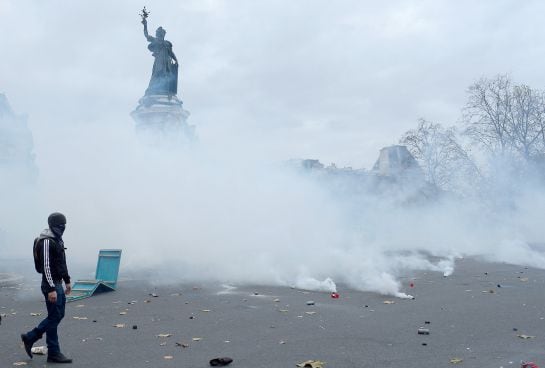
point(105, 276)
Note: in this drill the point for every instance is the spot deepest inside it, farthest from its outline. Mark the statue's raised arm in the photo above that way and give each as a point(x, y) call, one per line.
point(146, 34)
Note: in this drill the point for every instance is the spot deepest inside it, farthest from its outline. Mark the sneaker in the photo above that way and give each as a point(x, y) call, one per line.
point(28, 345)
point(58, 358)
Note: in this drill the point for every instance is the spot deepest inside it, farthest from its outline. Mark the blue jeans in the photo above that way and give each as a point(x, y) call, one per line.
point(55, 313)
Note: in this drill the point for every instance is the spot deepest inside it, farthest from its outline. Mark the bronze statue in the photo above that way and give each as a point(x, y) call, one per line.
point(164, 77)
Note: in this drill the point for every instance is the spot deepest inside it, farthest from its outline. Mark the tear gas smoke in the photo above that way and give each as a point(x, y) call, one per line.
point(227, 212)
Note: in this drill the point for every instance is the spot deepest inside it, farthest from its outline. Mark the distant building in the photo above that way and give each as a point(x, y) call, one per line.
point(16, 144)
point(397, 161)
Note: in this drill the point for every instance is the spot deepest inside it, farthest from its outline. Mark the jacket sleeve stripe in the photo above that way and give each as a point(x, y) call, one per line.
point(47, 270)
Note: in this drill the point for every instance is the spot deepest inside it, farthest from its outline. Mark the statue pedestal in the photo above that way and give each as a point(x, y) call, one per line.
point(162, 121)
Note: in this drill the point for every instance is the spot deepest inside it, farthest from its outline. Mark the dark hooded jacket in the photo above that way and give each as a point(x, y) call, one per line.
point(51, 255)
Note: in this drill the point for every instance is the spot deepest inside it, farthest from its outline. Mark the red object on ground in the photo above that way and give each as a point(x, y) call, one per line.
point(335, 295)
point(528, 365)
point(411, 284)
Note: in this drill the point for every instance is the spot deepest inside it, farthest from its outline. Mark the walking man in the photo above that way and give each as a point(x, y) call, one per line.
point(50, 261)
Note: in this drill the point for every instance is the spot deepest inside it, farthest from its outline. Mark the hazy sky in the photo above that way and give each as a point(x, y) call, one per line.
point(334, 80)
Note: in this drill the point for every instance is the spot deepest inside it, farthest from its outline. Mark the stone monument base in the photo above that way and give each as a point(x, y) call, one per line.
point(162, 121)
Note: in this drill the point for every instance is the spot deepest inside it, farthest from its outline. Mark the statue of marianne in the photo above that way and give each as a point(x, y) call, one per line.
point(164, 77)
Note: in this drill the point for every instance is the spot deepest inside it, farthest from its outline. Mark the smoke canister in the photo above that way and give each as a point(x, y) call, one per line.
point(423, 331)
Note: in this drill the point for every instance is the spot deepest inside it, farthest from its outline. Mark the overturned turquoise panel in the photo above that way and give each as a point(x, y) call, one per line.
point(105, 276)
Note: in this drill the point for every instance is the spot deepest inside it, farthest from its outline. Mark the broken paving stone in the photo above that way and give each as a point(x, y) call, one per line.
point(525, 337)
point(164, 335)
point(220, 362)
point(456, 361)
point(311, 302)
point(311, 364)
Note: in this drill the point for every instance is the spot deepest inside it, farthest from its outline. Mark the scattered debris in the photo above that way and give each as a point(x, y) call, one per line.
point(310, 302)
point(283, 310)
point(528, 365)
point(335, 295)
point(206, 310)
point(427, 322)
point(424, 344)
point(134, 327)
point(39, 350)
point(164, 335)
point(220, 362)
point(19, 363)
point(183, 345)
point(311, 364)
point(196, 338)
point(276, 300)
point(80, 318)
point(119, 325)
point(163, 344)
point(411, 284)
point(80, 305)
point(122, 313)
point(525, 337)
point(168, 357)
point(388, 302)
point(423, 331)
point(456, 360)
point(153, 295)
point(281, 342)
point(310, 313)
point(524, 279)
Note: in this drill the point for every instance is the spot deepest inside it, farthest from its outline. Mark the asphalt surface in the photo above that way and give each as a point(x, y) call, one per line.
point(470, 318)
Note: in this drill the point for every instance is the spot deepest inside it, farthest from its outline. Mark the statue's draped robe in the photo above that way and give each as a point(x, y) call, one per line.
point(164, 77)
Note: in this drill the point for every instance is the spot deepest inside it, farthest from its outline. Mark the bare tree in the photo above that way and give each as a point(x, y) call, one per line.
point(439, 153)
point(505, 118)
